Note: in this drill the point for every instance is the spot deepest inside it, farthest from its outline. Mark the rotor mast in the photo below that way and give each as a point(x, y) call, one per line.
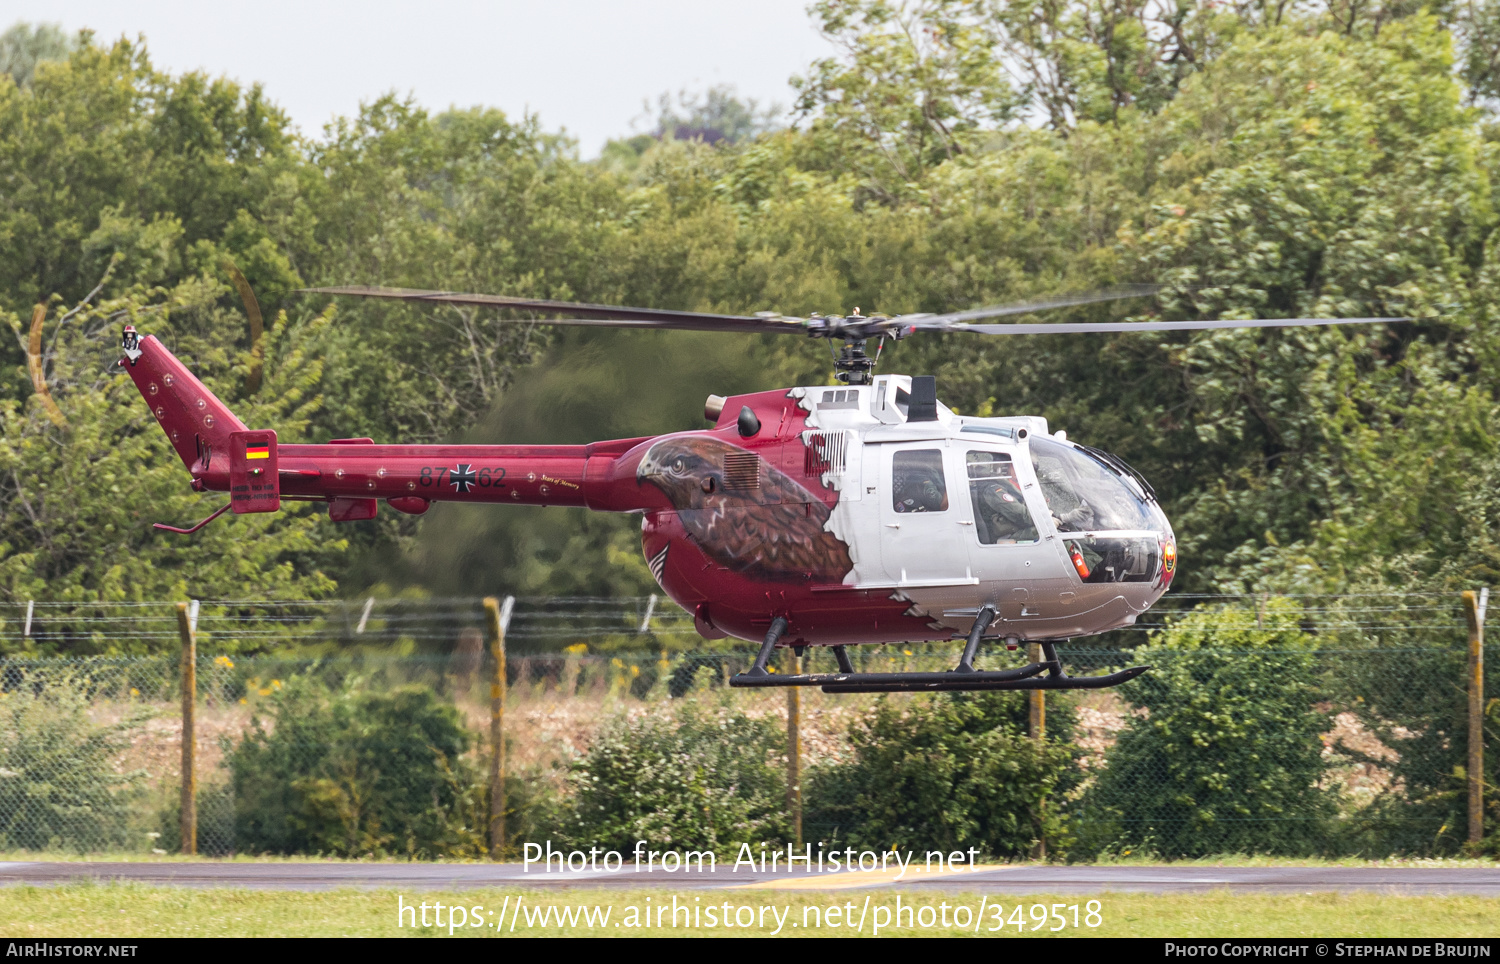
point(853, 366)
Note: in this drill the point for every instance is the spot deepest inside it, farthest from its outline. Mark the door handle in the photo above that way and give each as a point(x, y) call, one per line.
point(893, 525)
point(962, 523)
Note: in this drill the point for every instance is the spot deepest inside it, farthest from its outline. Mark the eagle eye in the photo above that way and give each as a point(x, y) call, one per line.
point(678, 466)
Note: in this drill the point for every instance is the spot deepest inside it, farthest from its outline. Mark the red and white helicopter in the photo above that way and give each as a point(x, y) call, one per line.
point(810, 516)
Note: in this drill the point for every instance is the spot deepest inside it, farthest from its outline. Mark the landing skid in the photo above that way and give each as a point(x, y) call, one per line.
point(962, 679)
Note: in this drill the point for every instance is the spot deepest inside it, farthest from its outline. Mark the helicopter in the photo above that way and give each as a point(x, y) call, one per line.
point(814, 516)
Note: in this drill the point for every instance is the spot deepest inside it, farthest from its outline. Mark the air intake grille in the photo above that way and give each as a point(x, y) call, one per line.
point(741, 471)
point(824, 452)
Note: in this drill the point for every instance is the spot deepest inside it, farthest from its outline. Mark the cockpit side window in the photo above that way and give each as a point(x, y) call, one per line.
point(917, 481)
point(1000, 513)
point(1083, 495)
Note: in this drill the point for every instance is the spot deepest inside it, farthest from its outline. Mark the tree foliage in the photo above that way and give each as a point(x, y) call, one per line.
point(949, 773)
point(61, 783)
point(1227, 745)
point(357, 773)
point(25, 45)
point(703, 781)
point(1269, 160)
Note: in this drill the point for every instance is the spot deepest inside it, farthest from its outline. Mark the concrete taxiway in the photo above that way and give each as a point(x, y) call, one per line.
point(1009, 879)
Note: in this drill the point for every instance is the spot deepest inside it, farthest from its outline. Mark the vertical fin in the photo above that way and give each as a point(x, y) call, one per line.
point(196, 422)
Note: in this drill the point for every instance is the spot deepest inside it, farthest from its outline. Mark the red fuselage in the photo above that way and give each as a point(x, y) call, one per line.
point(735, 526)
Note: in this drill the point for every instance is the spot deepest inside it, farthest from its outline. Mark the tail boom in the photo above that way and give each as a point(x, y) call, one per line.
point(353, 474)
point(566, 475)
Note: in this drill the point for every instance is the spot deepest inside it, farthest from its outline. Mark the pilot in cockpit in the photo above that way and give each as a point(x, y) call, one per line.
point(1077, 519)
point(1002, 510)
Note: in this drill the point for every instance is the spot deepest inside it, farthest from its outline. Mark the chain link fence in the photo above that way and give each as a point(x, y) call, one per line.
point(1298, 725)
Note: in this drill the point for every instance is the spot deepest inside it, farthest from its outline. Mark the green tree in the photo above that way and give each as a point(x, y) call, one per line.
point(914, 78)
point(949, 773)
point(80, 498)
point(704, 781)
point(102, 154)
point(352, 773)
point(61, 785)
point(464, 200)
point(714, 116)
point(25, 45)
point(1224, 755)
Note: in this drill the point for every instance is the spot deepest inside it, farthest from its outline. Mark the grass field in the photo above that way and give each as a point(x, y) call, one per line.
point(122, 911)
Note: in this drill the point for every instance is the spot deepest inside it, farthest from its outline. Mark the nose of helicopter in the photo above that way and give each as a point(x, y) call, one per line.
point(1112, 527)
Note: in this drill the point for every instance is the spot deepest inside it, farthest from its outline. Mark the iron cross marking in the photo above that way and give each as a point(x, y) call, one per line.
point(463, 477)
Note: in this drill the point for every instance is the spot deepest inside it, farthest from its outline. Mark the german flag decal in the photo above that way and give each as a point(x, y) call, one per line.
point(257, 451)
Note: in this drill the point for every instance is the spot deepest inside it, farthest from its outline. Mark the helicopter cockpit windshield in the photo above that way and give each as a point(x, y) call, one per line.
point(1113, 531)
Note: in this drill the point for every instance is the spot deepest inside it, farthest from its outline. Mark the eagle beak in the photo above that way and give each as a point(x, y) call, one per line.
point(648, 468)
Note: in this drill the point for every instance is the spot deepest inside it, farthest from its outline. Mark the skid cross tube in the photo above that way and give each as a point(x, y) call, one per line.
point(773, 636)
point(981, 623)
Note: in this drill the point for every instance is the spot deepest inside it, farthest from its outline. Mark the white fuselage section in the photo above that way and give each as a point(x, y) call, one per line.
point(957, 513)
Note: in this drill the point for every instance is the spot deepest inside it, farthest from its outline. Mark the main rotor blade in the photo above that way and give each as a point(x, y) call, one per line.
point(608, 316)
point(948, 319)
point(1124, 326)
point(619, 316)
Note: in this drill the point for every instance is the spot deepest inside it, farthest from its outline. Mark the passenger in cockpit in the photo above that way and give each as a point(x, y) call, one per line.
point(916, 490)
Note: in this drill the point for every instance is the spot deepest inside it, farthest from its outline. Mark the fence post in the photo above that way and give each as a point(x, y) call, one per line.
point(1036, 705)
point(794, 749)
point(189, 825)
point(1035, 700)
point(650, 610)
point(1474, 607)
point(498, 616)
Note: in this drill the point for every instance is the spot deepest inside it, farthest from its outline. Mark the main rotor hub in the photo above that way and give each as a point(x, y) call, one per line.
point(852, 365)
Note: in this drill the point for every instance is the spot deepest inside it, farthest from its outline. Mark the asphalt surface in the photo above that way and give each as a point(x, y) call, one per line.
point(991, 880)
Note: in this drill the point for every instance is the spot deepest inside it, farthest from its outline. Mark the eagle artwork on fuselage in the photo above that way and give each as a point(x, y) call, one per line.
point(783, 537)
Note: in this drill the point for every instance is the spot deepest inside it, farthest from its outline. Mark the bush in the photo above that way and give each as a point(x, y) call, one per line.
point(353, 773)
point(59, 785)
point(702, 781)
point(215, 819)
point(1413, 696)
point(950, 773)
point(1228, 756)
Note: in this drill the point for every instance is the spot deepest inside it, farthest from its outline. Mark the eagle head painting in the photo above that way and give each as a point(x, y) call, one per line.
point(747, 515)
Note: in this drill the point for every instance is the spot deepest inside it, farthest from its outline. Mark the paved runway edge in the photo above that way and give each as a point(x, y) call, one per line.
point(1020, 879)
